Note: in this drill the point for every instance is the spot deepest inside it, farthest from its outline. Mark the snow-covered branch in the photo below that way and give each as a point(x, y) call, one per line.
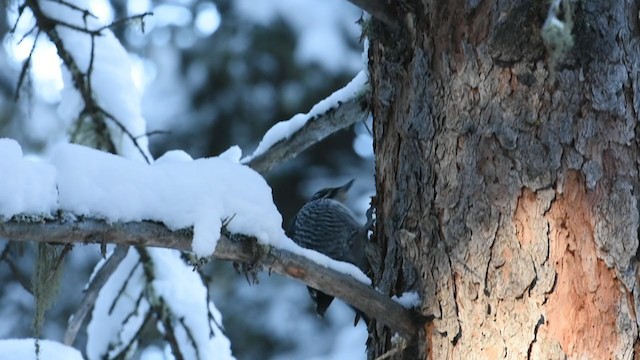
point(229, 247)
point(315, 130)
point(288, 138)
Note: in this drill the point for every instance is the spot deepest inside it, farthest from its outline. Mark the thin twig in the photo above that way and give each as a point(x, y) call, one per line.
point(136, 336)
point(26, 66)
point(26, 35)
point(59, 262)
point(211, 317)
point(123, 287)
point(126, 20)
point(170, 335)
point(84, 12)
point(81, 29)
point(153, 133)
point(20, 12)
point(126, 131)
point(22, 278)
point(192, 340)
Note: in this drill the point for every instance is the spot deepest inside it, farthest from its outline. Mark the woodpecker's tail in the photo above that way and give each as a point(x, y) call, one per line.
point(321, 300)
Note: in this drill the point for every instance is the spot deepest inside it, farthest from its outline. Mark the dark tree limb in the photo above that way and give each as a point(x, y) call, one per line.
point(230, 247)
point(315, 130)
point(22, 278)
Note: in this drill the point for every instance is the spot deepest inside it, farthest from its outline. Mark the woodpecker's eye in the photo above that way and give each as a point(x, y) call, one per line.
point(324, 193)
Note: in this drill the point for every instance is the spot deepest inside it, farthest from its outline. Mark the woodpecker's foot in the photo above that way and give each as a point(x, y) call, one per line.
point(197, 262)
point(371, 216)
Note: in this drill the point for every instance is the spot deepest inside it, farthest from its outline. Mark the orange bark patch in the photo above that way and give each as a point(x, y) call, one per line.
point(296, 272)
point(581, 310)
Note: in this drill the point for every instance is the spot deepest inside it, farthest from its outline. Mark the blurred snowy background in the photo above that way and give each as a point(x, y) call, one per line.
point(213, 74)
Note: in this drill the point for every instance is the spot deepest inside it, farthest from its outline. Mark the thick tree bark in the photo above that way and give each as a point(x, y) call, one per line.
point(507, 184)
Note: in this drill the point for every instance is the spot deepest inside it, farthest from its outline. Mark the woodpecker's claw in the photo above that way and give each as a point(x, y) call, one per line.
point(370, 217)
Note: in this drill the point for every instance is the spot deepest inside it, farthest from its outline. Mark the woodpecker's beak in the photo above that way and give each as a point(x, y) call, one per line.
point(344, 188)
point(340, 193)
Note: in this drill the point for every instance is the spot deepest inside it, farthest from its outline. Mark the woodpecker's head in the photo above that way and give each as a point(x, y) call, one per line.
point(337, 193)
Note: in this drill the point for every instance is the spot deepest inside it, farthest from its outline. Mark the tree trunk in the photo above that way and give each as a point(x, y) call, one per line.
point(507, 178)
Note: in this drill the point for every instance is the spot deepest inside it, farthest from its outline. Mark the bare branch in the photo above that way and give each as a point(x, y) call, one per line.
point(27, 63)
point(125, 131)
point(26, 35)
point(154, 133)
point(91, 294)
point(315, 130)
point(23, 279)
point(230, 247)
point(84, 12)
point(20, 12)
point(128, 20)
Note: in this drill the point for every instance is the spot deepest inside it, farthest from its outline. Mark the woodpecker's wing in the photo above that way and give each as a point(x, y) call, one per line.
point(329, 227)
point(326, 225)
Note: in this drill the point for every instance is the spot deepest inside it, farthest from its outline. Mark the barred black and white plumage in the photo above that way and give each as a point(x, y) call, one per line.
point(326, 225)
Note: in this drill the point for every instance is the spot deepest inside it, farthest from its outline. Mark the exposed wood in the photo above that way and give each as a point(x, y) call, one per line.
point(230, 247)
point(507, 177)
